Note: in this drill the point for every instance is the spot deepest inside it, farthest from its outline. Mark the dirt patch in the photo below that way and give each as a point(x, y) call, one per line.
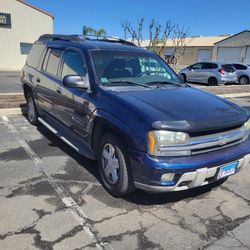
point(12, 101)
point(227, 89)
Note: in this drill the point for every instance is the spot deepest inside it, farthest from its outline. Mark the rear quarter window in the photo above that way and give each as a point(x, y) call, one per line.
point(240, 67)
point(35, 55)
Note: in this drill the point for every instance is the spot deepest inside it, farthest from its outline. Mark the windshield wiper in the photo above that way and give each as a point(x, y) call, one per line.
point(158, 83)
point(132, 83)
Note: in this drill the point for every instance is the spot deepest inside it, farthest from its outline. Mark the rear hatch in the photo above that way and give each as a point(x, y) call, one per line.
point(227, 72)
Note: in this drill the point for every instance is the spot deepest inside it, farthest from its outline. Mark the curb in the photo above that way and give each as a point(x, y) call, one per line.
point(18, 93)
point(234, 95)
point(13, 111)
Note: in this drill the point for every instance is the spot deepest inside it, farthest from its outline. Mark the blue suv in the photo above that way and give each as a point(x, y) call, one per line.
point(124, 106)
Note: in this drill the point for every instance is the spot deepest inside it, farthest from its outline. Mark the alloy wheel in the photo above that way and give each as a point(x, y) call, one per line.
point(110, 163)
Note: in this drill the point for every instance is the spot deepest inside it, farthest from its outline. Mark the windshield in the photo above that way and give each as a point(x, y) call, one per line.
point(117, 68)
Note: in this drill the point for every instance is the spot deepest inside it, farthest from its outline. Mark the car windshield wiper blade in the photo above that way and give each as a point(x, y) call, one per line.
point(131, 83)
point(158, 83)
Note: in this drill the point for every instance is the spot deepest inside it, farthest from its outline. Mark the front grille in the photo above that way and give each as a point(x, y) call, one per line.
point(218, 141)
point(208, 143)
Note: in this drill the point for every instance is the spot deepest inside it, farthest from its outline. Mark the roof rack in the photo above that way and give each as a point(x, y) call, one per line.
point(77, 38)
point(53, 37)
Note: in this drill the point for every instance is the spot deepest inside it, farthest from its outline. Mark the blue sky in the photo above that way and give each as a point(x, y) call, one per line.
point(207, 17)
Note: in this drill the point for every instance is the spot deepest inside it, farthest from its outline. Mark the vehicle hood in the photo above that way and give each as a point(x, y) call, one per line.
point(183, 109)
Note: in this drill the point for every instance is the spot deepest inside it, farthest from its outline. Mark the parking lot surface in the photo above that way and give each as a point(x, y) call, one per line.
point(51, 198)
point(10, 82)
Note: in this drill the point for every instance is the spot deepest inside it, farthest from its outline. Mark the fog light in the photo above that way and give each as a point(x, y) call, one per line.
point(167, 177)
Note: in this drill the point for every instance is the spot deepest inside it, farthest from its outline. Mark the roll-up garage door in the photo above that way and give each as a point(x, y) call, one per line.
point(229, 54)
point(247, 57)
point(204, 55)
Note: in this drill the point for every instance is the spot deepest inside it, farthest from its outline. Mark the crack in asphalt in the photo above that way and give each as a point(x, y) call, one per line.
point(62, 193)
point(216, 229)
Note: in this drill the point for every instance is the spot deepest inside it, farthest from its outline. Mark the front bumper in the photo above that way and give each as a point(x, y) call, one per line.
point(191, 171)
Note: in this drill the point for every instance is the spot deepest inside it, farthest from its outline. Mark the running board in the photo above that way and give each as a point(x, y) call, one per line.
point(68, 137)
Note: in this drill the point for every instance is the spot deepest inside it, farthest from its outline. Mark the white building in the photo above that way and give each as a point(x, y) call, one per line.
point(20, 25)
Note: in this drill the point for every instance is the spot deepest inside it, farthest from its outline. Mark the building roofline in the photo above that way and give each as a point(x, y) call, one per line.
point(232, 36)
point(35, 8)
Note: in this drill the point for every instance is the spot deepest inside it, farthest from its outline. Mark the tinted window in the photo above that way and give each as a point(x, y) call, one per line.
point(35, 54)
point(73, 64)
point(228, 68)
point(197, 66)
point(52, 60)
point(240, 66)
point(209, 66)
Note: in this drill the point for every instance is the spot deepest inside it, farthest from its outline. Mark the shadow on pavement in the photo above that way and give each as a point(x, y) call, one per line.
point(138, 197)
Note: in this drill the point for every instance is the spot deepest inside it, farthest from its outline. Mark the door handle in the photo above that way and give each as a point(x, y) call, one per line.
point(38, 80)
point(59, 91)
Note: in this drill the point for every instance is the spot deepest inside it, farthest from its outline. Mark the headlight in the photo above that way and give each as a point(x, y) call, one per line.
point(158, 140)
point(247, 125)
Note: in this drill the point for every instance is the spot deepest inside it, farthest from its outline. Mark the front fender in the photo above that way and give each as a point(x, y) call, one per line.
point(114, 123)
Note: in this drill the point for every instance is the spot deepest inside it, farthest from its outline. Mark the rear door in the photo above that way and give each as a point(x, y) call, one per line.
point(48, 78)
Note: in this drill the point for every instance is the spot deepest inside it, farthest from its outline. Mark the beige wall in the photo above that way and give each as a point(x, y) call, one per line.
point(190, 55)
point(27, 24)
point(241, 40)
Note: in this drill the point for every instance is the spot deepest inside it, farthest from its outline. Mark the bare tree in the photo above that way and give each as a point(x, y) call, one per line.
point(135, 34)
point(158, 35)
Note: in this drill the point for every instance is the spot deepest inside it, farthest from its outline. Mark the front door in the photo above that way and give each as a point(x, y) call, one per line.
point(69, 103)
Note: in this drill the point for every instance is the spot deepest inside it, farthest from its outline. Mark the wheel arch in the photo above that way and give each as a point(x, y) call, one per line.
point(26, 90)
point(103, 122)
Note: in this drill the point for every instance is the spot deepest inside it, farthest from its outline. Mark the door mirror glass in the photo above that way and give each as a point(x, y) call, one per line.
point(75, 81)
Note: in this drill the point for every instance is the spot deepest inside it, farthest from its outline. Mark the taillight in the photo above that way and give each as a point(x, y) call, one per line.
point(222, 71)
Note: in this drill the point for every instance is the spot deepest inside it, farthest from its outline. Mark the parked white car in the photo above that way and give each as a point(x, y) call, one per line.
point(210, 73)
point(243, 73)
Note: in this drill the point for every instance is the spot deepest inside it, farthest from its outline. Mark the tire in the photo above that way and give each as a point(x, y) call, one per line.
point(31, 109)
point(183, 78)
point(212, 81)
point(116, 178)
point(244, 80)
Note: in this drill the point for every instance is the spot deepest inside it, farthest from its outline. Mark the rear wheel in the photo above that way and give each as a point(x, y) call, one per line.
point(244, 80)
point(31, 109)
point(212, 81)
point(114, 166)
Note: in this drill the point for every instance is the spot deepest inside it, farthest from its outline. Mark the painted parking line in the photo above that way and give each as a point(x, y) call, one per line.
point(65, 197)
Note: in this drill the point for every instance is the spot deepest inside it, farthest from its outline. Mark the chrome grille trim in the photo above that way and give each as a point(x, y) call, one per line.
point(207, 143)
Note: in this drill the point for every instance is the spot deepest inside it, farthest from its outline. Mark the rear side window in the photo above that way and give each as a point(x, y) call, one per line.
point(73, 64)
point(35, 54)
point(228, 68)
point(209, 66)
point(240, 66)
point(52, 60)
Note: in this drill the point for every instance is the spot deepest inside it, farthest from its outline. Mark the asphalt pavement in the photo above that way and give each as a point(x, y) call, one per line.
point(10, 82)
point(51, 198)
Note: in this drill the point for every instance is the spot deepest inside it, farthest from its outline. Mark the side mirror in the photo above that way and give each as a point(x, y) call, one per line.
point(75, 81)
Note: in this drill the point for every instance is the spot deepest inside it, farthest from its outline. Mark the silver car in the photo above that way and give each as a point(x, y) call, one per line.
point(211, 73)
point(243, 73)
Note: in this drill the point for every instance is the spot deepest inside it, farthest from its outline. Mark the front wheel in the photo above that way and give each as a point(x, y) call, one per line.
point(114, 166)
point(31, 109)
point(183, 78)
